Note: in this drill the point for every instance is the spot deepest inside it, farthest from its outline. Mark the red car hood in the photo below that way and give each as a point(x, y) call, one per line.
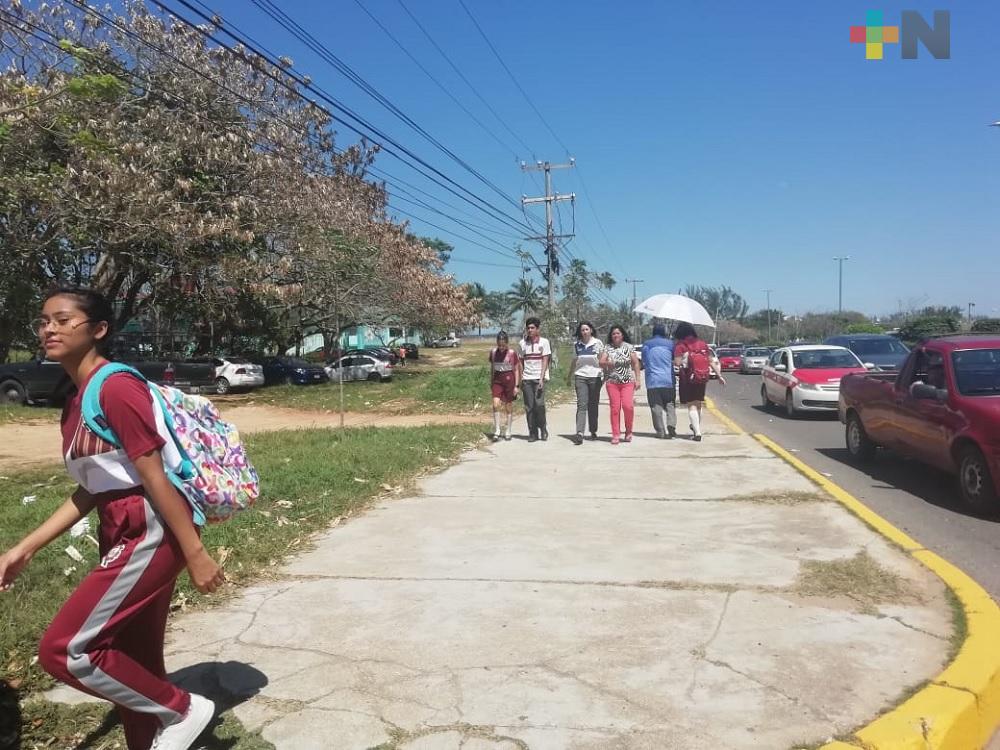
point(821, 377)
point(729, 360)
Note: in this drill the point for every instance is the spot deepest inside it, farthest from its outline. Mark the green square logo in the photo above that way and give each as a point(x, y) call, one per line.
point(874, 34)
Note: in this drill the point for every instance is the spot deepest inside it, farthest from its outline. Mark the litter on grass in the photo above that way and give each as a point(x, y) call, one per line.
point(28, 499)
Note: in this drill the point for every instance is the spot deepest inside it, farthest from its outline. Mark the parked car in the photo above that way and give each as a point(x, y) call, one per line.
point(360, 367)
point(716, 365)
point(734, 345)
point(942, 408)
point(754, 359)
point(43, 381)
point(412, 352)
point(445, 343)
point(730, 359)
point(886, 352)
point(234, 372)
point(807, 377)
point(380, 352)
point(292, 371)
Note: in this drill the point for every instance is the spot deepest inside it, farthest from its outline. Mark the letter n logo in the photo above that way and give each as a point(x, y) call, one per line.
point(936, 39)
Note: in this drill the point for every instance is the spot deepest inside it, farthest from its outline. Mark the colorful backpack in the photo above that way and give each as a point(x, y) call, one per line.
point(213, 471)
point(699, 365)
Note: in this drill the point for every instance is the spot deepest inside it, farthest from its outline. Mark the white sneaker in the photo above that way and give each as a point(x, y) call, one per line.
point(182, 733)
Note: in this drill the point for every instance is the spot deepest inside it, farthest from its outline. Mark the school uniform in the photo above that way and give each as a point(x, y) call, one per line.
point(107, 640)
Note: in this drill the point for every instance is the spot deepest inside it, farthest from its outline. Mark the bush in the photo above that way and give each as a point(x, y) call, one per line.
point(920, 328)
point(986, 325)
point(864, 328)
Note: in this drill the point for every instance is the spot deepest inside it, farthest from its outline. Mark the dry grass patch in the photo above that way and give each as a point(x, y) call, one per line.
point(859, 578)
point(781, 498)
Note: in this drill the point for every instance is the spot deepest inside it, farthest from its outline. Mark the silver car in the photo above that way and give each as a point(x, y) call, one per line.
point(360, 367)
point(754, 359)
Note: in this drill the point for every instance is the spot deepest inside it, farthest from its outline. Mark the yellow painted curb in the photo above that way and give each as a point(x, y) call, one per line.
point(960, 708)
point(730, 424)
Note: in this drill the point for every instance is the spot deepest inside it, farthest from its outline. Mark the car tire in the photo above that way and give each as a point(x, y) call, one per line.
point(764, 400)
point(976, 482)
point(790, 411)
point(222, 386)
point(374, 377)
point(860, 447)
point(12, 392)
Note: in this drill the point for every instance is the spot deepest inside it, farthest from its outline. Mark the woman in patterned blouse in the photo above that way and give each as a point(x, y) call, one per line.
point(621, 364)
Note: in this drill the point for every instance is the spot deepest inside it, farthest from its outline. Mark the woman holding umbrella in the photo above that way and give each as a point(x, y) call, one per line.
point(694, 359)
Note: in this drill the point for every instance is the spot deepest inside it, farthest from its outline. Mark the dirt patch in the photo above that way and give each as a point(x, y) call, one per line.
point(29, 444)
point(859, 578)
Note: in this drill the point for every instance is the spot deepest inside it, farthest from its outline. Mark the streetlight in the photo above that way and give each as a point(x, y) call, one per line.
point(768, 293)
point(840, 282)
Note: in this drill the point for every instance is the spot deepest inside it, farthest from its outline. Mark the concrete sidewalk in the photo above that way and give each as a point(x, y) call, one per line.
point(659, 594)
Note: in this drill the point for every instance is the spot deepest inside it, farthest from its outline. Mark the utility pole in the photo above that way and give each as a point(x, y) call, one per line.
point(768, 293)
point(840, 282)
point(972, 306)
point(635, 315)
point(549, 199)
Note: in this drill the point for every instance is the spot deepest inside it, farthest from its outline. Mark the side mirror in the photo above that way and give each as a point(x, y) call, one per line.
point(781, 368)
point(870, 366)
point(925, 392)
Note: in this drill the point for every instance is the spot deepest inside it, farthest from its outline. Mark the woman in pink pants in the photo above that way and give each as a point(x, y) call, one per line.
point(621, 366)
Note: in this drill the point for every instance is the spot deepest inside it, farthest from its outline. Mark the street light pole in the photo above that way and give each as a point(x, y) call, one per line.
point(840, 282)
point(768, 293)
point(972, 306)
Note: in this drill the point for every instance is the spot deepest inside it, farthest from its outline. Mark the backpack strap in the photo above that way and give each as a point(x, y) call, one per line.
point(90, 405)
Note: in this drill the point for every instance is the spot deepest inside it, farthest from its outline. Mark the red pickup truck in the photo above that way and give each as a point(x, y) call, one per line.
point(943, 408)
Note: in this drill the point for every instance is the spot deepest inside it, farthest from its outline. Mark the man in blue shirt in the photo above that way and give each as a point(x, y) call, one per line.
point(658, 362)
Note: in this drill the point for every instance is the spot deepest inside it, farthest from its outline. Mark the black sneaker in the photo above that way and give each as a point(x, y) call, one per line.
point(593, 436)
point(671, 433)
point(578, 439)
point(697, 438)
point(532, 438)
point(545, 434)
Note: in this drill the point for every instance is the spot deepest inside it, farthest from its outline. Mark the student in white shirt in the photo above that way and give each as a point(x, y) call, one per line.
point(585, 374)
point(536, 353)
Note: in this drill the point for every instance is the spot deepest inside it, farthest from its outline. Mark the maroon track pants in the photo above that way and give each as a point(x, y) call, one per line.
point(107, 640)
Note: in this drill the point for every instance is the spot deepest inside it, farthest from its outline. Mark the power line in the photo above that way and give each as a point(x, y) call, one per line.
point(273, 61)
point(451, 232)
point(511, 75)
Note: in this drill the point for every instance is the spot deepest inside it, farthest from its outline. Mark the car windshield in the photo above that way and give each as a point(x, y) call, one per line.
point(729, 353)
point(977, 371)
point(824, 359)
point(867, 347)
point(757, 353)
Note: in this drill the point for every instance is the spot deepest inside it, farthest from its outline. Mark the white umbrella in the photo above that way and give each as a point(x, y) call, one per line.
point(675, 307)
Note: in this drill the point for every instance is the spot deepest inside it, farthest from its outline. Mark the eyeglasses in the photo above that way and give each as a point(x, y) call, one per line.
point(39, 325)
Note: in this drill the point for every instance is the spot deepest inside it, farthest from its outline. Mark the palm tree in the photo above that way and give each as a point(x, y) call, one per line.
point(477, 293)
point(524, 297)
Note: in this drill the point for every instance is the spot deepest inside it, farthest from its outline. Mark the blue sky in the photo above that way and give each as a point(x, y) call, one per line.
point(721, 143)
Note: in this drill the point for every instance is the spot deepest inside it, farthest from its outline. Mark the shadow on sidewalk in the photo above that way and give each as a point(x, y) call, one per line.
point(227, 684)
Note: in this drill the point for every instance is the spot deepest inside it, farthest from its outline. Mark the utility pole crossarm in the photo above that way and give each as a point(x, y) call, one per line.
point(549, 199)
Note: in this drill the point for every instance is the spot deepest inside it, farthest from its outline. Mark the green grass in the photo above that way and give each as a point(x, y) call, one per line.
point(13, 413)
point(413, 390)
point(309, 478)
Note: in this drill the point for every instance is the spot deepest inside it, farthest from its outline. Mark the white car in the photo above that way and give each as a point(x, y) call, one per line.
point(360, 367)
point(806, 377)
point(445, 343)
point(236, 372)
point(754, 359)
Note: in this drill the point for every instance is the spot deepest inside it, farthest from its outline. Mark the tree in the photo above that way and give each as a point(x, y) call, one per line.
point(476, 293)
point(497, 309)
point(932, 325)
point(864, 328)
point(524, 297)
point(439, 246)
point(576, 286)
point(721, 302)
point(986, 325)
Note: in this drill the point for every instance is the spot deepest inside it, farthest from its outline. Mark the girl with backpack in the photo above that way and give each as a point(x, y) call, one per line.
point(107, 640)
point(694, 359)
point(621, 364)
point(504, 375)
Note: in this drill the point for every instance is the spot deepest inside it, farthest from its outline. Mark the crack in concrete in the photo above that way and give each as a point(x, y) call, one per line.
point(701, 652)
point(914, 628)
point(817, 713)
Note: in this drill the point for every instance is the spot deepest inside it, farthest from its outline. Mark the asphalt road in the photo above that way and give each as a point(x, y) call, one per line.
point(921, 501)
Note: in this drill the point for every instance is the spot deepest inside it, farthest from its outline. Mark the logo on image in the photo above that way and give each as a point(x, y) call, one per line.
point(875, 34)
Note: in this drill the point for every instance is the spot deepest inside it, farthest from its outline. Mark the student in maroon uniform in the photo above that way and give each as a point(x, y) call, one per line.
point(694, 359)
point(107, 640)
point(504, 382)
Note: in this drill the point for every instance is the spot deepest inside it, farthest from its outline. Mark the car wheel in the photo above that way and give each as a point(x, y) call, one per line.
point(859, 445)
point(12, 392)
point(790, 411)
point(222, 386)
point(374, 377)
point(976, 482)
point(764, 400)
